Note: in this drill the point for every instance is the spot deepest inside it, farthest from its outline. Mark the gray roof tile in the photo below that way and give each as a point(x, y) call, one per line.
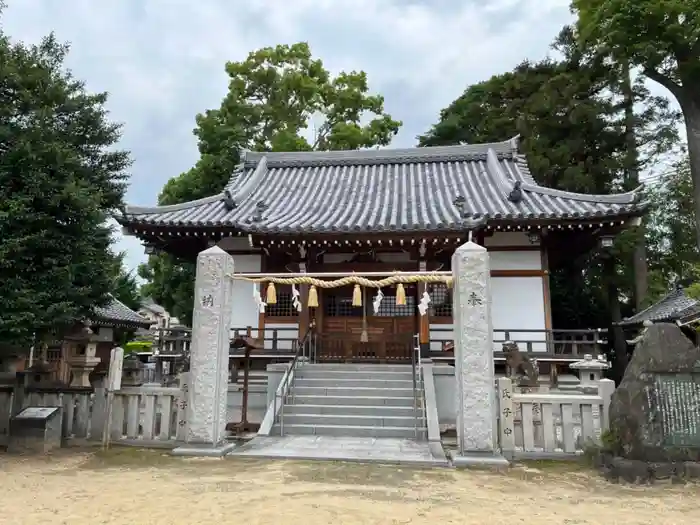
point(117, 313)
point(671, 307)
point(381, 190)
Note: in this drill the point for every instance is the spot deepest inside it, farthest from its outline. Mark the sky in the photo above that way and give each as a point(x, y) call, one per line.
point(162, 61)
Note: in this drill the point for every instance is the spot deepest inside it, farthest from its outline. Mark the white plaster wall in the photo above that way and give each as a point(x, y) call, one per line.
point(245, 312)
point(521, 260)
point(517, 303)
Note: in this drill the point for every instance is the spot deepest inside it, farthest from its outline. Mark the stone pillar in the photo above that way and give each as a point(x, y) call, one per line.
point(205, 414)
point(473, 348)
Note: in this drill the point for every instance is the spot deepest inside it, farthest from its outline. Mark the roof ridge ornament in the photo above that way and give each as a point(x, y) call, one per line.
point(516, 194)
point(260, 207)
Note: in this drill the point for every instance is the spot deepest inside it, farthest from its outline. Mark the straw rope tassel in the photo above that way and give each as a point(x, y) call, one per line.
point(357, 296)
point(271, 296)
point(313, 297)
point(400, 295)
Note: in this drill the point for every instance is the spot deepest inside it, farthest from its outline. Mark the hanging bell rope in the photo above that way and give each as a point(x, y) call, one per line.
point(313, 297)
point(400, 295)
point(271, 295)
point(357, 296)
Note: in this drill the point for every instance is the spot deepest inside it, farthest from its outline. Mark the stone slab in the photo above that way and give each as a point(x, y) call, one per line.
point(653, 412)
point(478, 460)
point(204, 451)
point(363, 450)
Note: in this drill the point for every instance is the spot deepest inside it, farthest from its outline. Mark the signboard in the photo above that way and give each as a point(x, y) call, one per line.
point(37, 413)
point(116, 365)
point(676, 400)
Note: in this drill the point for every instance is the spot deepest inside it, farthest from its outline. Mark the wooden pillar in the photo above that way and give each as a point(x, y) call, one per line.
point(423, 320)
point(305, 314)
point(263, 289)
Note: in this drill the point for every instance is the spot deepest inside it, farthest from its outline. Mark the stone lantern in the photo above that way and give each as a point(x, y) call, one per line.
point(131, 371)
point(590, 370)
point(82, 350)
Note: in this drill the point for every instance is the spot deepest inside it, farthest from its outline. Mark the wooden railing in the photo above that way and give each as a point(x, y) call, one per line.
point(557, 341)
point(282, 340)
point(143, 416)
point(378, 348)
point(549, 424)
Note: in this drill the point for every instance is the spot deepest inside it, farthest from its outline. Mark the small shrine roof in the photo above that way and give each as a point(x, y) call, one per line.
point(386, 190)
point(116, 313)
point(674, 306)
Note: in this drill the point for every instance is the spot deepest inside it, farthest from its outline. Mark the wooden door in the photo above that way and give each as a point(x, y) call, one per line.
point(390, 333)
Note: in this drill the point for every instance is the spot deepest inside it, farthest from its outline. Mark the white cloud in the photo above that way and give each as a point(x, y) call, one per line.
point(162, 60)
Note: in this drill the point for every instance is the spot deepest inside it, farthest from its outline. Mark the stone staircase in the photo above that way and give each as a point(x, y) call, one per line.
point(353, 400)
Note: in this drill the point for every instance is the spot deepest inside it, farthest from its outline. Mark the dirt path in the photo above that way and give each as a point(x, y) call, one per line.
point(138, 487)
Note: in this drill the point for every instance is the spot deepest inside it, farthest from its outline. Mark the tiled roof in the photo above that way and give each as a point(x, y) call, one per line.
point(117, 313)
point(671, 307)
point(415, 189)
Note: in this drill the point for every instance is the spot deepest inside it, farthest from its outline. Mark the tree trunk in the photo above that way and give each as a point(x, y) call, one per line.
point(691, 114)
point(639, 257)
point(618, 344)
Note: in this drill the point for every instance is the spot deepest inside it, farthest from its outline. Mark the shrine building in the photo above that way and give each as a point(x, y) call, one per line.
point(387, 210)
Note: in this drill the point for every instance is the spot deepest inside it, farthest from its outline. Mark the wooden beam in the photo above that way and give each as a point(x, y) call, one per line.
point(518, 273)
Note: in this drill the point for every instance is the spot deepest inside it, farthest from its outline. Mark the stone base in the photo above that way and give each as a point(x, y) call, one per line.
point(479, 460)
point(204, 450)
point(617, 469)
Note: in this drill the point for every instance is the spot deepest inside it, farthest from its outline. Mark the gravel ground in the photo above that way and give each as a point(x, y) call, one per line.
point(128, 486)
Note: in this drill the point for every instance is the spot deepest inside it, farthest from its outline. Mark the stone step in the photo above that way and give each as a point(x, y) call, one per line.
point(356, 382)
point(354, 400)
point(348, 391)
point(351, 410)
point(307, 372)
point(345, 367)
point(348, 420)
point(351, 431)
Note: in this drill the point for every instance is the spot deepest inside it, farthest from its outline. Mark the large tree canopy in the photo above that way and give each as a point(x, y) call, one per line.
point(662, 38)
point(60, 177)
point(572, 119)
point(279, 99)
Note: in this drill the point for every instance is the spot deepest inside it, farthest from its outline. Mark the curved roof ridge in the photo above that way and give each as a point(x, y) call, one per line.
point(505, 148)
point(629, 197)
point(146, 210)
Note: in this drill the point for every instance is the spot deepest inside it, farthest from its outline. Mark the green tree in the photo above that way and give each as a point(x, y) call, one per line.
point(673, 253)
point(662, 38)
point(125, 287)
point(573, 118)
point(279, 99)
point(60, 177)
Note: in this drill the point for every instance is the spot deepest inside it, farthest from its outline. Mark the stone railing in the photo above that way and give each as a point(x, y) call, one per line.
point(142, 416)
point(550, 424)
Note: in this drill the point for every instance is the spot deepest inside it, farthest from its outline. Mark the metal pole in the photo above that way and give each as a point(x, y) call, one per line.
point(322, 275)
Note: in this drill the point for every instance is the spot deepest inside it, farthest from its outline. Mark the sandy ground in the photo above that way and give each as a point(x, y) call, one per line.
point(126, 486)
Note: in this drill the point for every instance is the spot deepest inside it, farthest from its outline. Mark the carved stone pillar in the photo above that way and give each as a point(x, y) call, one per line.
point(474, 371)
point(205, 413)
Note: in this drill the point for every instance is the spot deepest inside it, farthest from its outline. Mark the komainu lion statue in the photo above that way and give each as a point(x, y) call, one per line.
point(520, 365)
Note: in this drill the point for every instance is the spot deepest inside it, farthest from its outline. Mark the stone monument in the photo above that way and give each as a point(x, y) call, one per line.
point(477, 435)
point(205, 413)
point(655, 411)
